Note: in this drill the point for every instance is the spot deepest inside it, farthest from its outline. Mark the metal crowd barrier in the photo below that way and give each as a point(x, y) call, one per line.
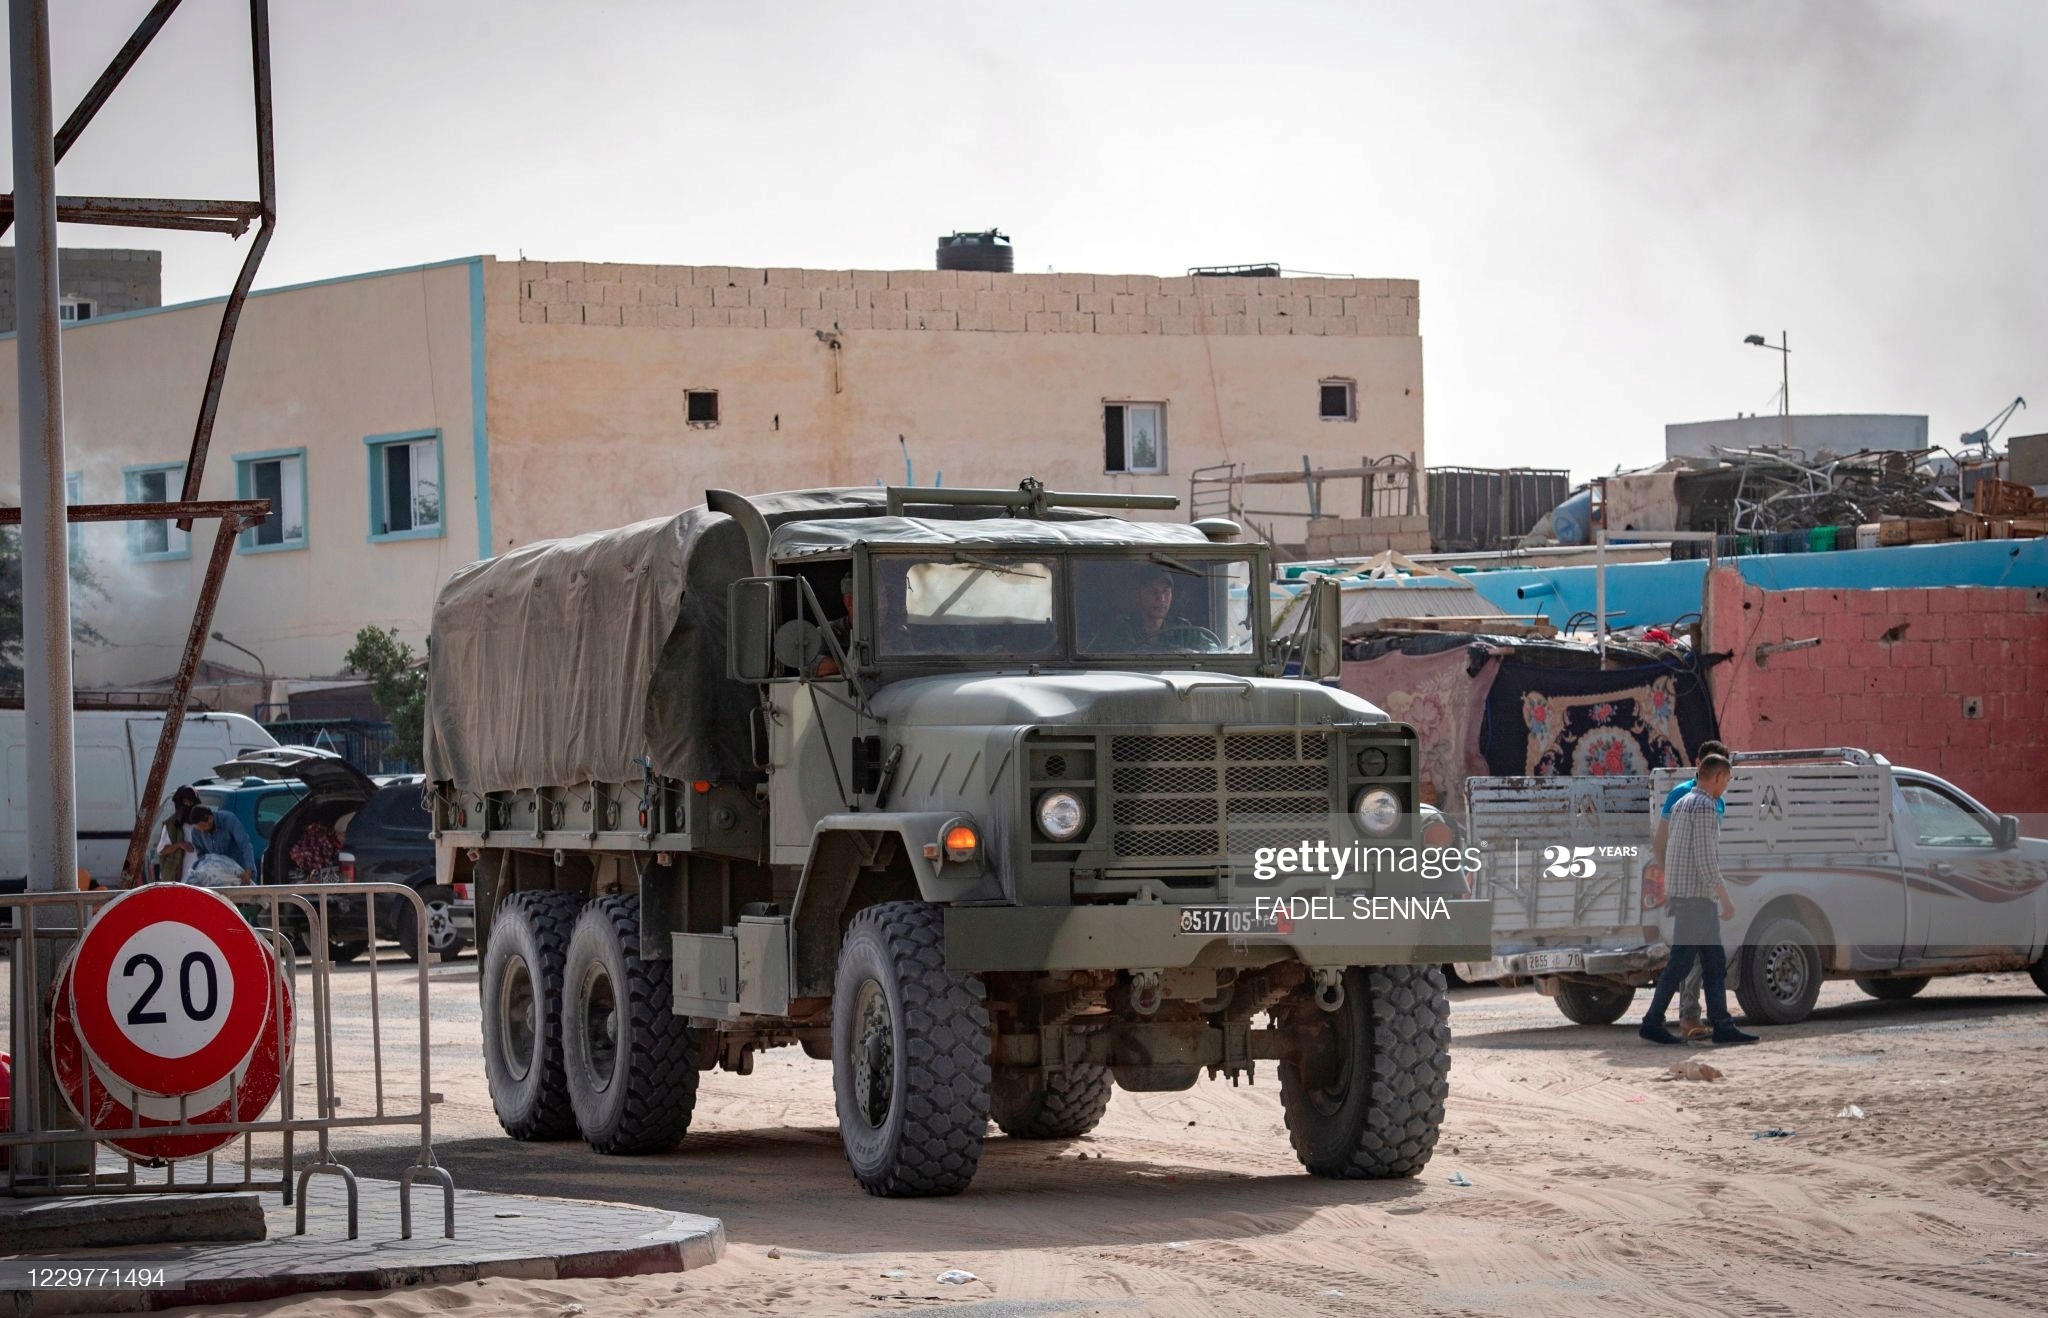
point(44, 925)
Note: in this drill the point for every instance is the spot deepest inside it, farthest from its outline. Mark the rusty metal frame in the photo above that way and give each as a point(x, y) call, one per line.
point(229, 217)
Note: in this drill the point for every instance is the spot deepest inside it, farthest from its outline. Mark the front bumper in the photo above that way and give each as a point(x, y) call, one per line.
point(1147, 936)
point(1603, 962)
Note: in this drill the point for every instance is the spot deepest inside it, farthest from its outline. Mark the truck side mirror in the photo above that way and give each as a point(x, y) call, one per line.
point(750, 629)
point(2008, 832)
point(1322, 655)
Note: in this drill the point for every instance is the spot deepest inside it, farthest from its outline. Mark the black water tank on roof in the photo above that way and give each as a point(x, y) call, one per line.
point(989, 251)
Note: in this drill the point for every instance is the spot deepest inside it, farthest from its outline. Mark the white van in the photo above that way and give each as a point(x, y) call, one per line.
point(114, 749)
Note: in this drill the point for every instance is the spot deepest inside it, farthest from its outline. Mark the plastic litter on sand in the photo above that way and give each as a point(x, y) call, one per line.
point(1459, 1178)
point(897, 1274)
point(1692, 1069)
point(1774, 1133)
point(956, 1277)
point(1853, 1112)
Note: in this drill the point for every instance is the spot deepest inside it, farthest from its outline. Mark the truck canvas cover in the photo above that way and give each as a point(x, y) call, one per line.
point(567, 661)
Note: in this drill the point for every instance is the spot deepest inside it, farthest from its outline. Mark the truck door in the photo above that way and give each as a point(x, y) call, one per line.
point(1959, 902)
point(810, 747)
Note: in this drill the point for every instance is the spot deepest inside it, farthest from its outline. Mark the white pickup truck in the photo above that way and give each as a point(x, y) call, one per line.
point(1841, 866)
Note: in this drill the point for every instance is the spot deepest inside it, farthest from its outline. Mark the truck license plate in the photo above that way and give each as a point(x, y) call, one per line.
point(1540, 962)
point(1223, 920)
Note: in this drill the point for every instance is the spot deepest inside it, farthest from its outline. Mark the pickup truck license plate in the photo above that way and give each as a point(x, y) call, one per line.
point(1543, 962)
point(1223, 920)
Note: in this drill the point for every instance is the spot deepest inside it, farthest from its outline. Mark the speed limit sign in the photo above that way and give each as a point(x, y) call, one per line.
point(170, 988)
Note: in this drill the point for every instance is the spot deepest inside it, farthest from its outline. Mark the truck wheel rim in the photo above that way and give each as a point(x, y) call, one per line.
point(600, 1028)
point(517, 1017)
point(1785, 972)
point(1330, 1069)
point(874, 1054)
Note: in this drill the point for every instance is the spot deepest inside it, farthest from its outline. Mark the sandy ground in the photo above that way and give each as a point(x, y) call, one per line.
point(1595, 1187)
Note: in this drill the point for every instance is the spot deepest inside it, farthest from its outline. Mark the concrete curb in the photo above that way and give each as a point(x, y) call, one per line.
point(621, 1240)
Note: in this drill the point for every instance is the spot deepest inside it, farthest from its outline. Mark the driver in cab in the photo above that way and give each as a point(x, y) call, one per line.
point(1145, 622)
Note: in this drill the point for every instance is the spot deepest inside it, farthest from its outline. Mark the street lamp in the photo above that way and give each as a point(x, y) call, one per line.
point(261, 668)
point(1784, 348)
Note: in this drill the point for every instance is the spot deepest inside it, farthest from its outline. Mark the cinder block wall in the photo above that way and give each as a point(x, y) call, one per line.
point(116, 279)
point(1355, 537)
point(672, 296)
point(1891, 674)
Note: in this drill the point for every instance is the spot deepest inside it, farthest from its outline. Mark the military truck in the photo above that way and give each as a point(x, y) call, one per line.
point(961, 790)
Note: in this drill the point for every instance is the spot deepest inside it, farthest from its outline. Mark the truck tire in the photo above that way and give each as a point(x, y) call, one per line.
point(1366, 1097)
point(1593, 1004)
point(1030, 1104)
point(2038, 972)
point(1780, 973)
point(910, 1044)
point(632, 1070)
point(1893, 990)
point(521, 986)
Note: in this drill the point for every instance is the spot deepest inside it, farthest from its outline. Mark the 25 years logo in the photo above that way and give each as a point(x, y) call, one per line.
point(1568, 862)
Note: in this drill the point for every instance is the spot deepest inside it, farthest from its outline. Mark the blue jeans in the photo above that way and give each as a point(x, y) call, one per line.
point(1696, 939)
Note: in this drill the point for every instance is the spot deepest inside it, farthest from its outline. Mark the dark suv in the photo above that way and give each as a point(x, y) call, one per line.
point(382, 834)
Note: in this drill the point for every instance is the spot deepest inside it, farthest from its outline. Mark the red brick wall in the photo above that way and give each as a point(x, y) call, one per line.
point(1890, 675)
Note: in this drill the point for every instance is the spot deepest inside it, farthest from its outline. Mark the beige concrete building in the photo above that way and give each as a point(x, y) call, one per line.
point(408, 421)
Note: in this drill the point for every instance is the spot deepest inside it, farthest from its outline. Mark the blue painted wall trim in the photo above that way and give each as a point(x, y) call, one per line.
point(480, 439)
point(1646, 593)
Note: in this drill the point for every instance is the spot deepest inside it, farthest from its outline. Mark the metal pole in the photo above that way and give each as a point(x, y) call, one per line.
point(1600, 593)
point(45, 556)
point(1785, 381)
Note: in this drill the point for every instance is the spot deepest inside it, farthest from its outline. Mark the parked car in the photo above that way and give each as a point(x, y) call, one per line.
point(1840, 866)
point(381, 833)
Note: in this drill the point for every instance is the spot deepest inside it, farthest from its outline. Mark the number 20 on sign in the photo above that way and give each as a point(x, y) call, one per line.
point(170, 988)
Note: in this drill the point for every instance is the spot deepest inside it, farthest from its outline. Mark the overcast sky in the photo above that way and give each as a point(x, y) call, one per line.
point(1600, 199)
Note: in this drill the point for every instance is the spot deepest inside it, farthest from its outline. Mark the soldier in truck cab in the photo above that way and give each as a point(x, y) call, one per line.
point(1144, 620)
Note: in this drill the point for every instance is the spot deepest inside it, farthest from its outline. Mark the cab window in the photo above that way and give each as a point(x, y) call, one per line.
point(270, 808)
point(965, 604)
point(1938, 820)
point(1163, 604)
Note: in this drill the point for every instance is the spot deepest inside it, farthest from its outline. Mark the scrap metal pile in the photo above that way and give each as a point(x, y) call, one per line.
point(1784, 490)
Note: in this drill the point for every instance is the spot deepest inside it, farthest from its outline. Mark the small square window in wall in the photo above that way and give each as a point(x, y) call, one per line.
point(279, 476)
point(156, 483)
point(405, 485)
point(701, 406)
point(1339, 400)
point(71, 310)
point(1134, 438)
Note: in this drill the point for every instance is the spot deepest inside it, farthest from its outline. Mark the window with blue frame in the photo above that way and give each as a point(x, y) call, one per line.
point(160, 540)
point(405, 485)
point(279, 476)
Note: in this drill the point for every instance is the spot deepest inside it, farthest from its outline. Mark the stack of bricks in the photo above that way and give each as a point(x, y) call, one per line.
point(716, 296)
point(1357, 537)
point(1950, 679)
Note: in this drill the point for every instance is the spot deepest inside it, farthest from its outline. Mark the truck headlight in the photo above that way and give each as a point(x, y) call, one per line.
point(1378, 811)
point(1061, 816)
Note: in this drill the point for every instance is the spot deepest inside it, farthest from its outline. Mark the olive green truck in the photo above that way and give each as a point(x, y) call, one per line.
point(977, 794)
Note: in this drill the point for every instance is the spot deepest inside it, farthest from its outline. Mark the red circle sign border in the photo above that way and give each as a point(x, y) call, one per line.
point(110, 930)
point(71, 1064)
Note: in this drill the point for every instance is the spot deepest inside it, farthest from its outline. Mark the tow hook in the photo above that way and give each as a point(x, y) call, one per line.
point(1145, 991)
point(1330, 989)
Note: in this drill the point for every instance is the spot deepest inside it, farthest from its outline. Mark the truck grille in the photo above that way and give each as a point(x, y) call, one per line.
point(1201, 797)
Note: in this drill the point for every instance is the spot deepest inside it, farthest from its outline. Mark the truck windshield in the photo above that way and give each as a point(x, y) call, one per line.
point(1163, 604)
point(965, 604)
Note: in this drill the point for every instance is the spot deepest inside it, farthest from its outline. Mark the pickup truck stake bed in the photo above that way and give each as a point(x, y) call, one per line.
point(1840, 865)
point(918, 794)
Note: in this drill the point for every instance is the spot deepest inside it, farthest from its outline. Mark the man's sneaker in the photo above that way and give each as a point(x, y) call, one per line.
point(1655, 1032)
point(1729, 1034)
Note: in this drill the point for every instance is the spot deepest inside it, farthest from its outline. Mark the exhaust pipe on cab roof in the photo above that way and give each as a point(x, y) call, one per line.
point(742, 510)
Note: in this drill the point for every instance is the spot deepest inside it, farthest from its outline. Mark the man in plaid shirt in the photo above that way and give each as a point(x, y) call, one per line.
point(1699, 902)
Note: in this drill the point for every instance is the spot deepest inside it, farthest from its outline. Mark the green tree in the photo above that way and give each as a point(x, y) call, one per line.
point(83, 583)
point(398, 683)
